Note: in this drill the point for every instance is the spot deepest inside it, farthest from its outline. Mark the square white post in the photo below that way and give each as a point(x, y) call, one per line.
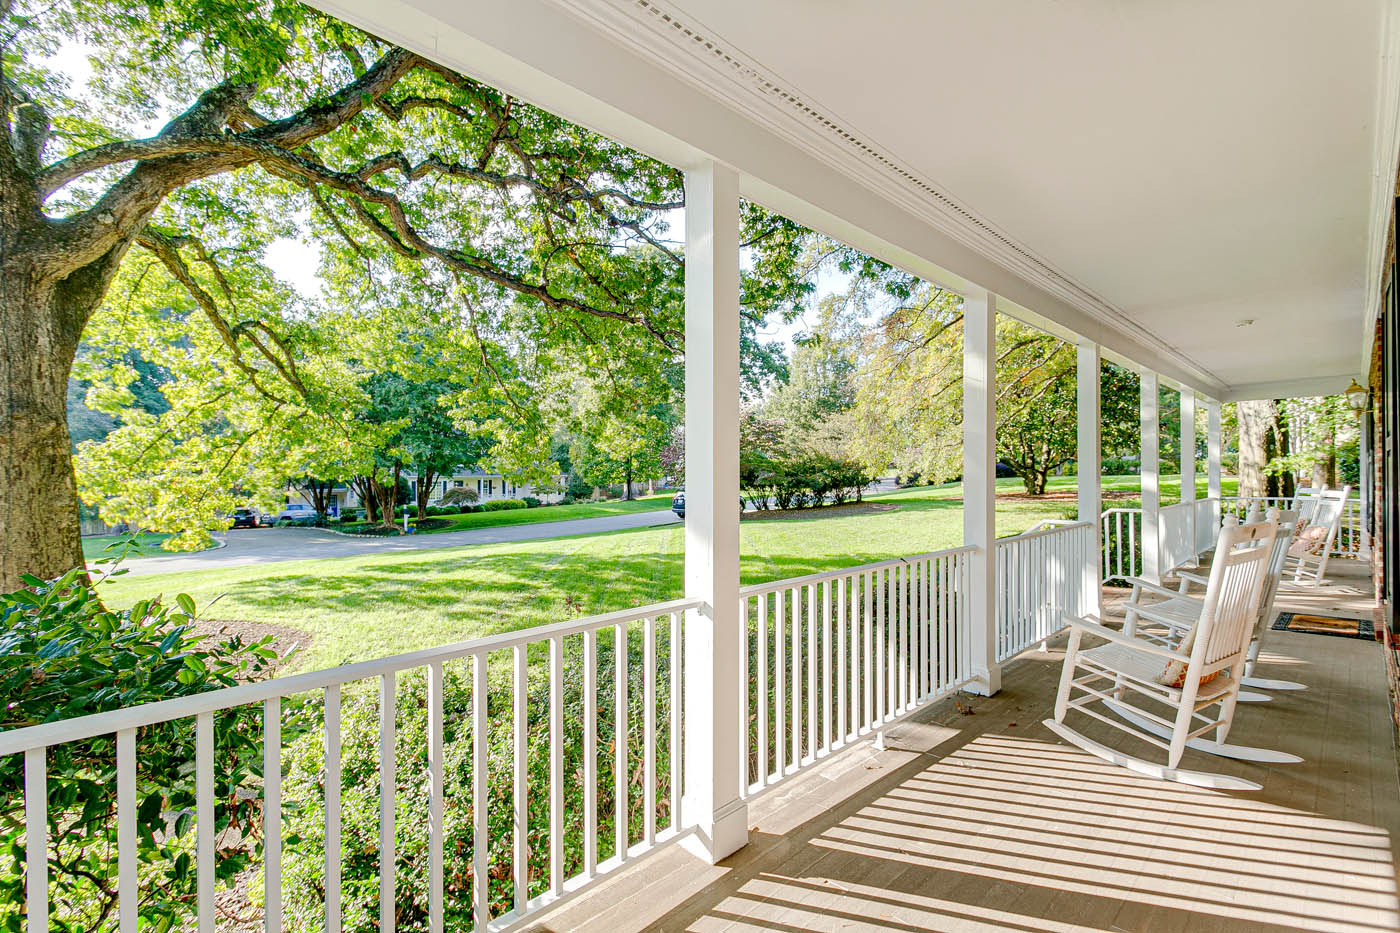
point(1188, 445)
point(1089, 467)
point(979, 484)
point(712, 639)
point(1188, 457)
point(1213, 449)
point(1150, 478)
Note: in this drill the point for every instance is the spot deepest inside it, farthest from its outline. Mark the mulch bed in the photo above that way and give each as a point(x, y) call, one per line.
point(1067, 495)
point(790, 515)
point(285, 640)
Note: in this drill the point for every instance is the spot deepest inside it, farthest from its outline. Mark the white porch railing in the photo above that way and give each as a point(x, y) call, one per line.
point(834, 656)
point(652, 626)
point(1040, 578)
point(1176, 535)
point(1350, 541)
point(1122, 532)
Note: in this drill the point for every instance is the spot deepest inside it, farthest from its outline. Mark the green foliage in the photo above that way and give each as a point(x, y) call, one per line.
point(772, 472)
point(531, 502)
point(909, 398)
point(500, 505)
point(63, 654)
point(304, 767)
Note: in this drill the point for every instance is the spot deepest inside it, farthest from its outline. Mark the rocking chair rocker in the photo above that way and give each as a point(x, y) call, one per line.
point(1202, 672)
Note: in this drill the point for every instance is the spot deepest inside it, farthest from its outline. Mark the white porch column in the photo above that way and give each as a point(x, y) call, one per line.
point(979, 483)
point(1089, 465)
point(1149, 470)
point(1188, 453)
point(1213, 449)
point(713, 639)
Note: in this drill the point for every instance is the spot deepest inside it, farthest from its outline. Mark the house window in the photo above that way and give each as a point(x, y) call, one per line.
point(458, 483)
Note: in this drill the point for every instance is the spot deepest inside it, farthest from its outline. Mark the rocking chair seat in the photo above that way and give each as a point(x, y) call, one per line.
point(1146, 667)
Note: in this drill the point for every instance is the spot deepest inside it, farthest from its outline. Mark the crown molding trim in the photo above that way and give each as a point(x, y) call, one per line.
point(660, 33)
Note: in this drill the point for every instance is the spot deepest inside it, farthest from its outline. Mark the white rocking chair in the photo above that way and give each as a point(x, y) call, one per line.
point(1321, 520)
point(1202, 672)
point(1178, 612)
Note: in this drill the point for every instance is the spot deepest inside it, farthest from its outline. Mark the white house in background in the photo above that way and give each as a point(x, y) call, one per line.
point(487, 486)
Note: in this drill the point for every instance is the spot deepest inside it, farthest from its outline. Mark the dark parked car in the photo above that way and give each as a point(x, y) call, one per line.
point(247, 518)
point(678, 503)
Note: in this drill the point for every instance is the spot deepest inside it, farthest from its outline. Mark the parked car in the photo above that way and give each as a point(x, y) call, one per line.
point(678, 503)
point(247, 518)
point(297, 513)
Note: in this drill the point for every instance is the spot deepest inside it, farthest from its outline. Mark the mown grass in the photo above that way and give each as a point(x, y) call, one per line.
point(355, 608)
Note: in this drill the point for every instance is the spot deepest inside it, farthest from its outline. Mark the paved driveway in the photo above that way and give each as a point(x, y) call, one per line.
point(275, 545)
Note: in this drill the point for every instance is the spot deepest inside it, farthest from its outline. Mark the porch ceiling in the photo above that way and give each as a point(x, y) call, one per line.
point(1143, 174)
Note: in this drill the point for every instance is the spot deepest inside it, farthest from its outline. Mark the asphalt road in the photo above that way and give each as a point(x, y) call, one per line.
point(244, 546)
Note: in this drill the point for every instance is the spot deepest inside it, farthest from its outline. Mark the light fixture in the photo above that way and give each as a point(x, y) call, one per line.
point(1357, 397)
point(1244, 322)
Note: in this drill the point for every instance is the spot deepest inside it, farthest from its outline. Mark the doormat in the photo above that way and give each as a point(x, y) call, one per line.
point(1325, 625)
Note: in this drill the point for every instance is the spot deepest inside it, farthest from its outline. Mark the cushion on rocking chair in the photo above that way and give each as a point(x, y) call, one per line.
point(1310, 540)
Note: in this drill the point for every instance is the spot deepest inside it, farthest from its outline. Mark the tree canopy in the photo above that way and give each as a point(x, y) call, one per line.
point(148, 201)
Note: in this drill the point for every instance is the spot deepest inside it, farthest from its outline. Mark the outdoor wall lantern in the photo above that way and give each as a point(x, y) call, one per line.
point(1356, 397)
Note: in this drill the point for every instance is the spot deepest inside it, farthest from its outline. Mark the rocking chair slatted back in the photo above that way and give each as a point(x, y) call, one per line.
point(1231, 607)
point(1287, 523)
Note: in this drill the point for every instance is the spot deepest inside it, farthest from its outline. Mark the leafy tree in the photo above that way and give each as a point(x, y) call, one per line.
point(275, 120)
point(909, 395)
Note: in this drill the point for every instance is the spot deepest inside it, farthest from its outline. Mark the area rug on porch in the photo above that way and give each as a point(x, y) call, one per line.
point(1325, 625)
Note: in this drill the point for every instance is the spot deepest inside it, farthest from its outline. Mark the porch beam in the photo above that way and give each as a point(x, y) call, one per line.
point(712, 638)
point(1089, 458)
point(1150, 476)
point(979, 483)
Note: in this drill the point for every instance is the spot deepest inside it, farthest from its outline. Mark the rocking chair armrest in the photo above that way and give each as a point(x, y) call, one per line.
point(1113, 635)
point(1150, 612)
point(1138, 583)
point(1192, 578)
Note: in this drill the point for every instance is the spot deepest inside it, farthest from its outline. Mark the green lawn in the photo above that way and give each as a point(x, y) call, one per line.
point(356, 608)
point(552, 513)
point(147, 543)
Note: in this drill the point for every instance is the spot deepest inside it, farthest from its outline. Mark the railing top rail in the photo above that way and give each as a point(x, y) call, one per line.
point(1120, 510)
point(15, 741)
point(1178, 506)
point(758, 589)
point(1043, 532)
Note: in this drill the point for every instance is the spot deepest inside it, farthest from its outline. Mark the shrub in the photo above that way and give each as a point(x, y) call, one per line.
point(349, 515)
point(1119, 466)
point(304, 771)
point(499, 505)
point(567, 500)
point(459, 495)
point(63, 654)
point(530, 502)
point(576, 487)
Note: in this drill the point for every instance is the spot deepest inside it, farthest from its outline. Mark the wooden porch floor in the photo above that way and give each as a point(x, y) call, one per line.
point(977, 818)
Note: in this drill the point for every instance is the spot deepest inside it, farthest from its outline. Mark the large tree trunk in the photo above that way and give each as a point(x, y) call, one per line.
point(39, 330)
point(1257, 420)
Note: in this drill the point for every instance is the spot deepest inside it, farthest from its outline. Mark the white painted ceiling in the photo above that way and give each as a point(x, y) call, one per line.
point(1192, 163)
point(1144, 173)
